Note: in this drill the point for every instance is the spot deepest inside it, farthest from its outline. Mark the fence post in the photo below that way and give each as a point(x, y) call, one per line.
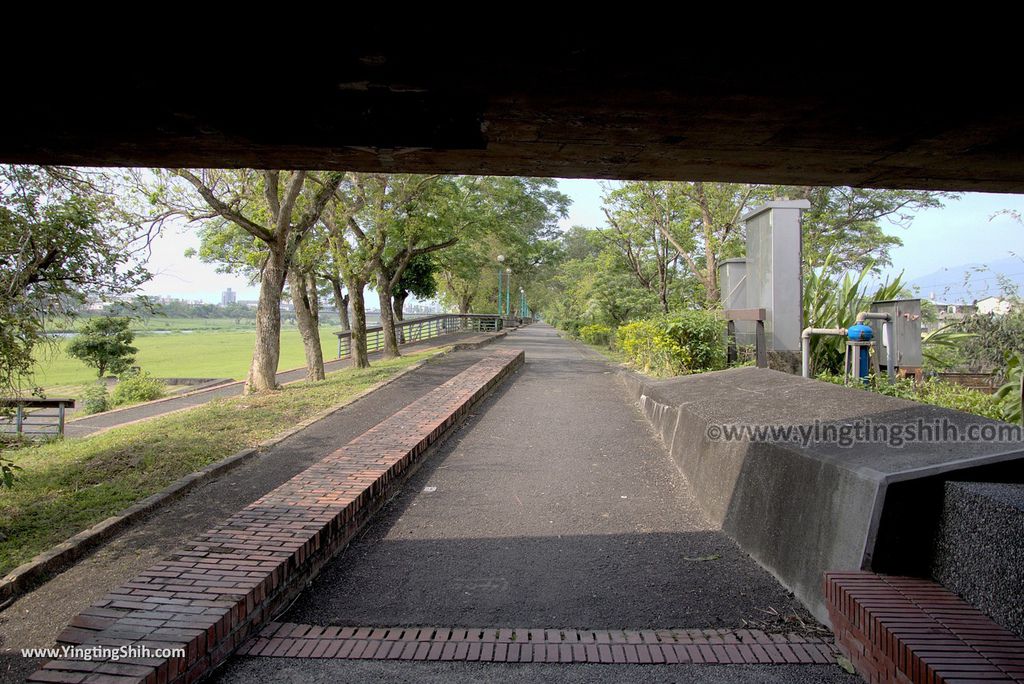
point(761, 346)
point(19, 418)
point(730, 335)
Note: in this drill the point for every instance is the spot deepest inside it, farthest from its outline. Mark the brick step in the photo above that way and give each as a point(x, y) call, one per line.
point(520, 645)
point(905, 629)
point(209, 596)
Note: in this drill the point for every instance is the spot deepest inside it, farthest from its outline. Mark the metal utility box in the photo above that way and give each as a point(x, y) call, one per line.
point(906, 333)
point(773, 271)
point(732, 284)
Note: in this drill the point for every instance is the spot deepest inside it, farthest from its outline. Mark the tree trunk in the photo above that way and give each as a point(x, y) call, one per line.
point(399, 306)
point(464, 303)
point(361, 359)
point(313, 297)
point(267, 353)
point(341, 302)
point(387, 316)
point(309, 331)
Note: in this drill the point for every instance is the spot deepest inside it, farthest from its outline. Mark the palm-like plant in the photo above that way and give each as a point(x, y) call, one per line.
point(1011, 390)
point(829, 302)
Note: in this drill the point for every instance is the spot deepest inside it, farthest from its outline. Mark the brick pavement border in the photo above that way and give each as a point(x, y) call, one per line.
point(524, 645)
point(907, 629)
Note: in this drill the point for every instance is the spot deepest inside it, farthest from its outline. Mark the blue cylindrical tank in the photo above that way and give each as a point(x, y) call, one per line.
point(859, 332)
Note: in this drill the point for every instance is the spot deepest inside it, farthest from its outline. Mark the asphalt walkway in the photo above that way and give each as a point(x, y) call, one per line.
point(553, 507)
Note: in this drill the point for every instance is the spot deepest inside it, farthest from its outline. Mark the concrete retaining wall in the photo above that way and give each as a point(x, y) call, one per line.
point(803, 509)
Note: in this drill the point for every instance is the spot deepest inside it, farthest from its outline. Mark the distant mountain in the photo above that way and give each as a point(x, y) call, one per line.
point(968, 282)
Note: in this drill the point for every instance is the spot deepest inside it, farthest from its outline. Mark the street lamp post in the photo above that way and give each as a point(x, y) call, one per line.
point(508, 292)
point(501, 276)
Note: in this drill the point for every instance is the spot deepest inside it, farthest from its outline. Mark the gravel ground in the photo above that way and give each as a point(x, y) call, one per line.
point(288, 670)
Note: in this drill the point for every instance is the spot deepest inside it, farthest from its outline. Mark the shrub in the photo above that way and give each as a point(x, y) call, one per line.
point(95, 399)
point(136, 387)
point(1009, 393)
point(675, 344)
point(935, 392)
point(596, 334)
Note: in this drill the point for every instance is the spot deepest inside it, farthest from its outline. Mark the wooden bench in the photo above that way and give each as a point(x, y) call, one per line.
point(29, 422)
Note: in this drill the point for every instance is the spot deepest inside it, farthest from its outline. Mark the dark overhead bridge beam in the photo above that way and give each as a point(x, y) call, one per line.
point(811, 114)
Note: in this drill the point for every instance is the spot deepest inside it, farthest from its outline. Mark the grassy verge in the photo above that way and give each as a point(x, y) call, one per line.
point(613, 355)
point(65, 487)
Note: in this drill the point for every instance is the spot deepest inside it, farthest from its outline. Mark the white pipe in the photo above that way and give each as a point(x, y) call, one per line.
point(805, 345)
point(890, 366)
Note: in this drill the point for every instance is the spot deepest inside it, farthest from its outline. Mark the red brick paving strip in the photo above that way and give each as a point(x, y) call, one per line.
point(655, 647)
point(904, 629)
point(211, 595)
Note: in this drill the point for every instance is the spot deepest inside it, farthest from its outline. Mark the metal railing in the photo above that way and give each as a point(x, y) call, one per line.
point(47, 420)
point(421, 329)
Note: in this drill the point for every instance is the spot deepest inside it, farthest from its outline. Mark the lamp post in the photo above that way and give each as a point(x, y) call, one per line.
point(522, 303)
point(501, 276)
point(508, 292)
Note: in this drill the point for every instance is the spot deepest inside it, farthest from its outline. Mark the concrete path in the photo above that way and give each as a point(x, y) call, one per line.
point(35, 619)
point(88, 425)
point(553, 507)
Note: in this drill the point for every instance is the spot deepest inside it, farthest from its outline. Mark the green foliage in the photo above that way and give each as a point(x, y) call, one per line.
point(596, 334)
point(62, 237)
point(1009, 393)
point(7, 471)
point(418, 278)
point(135, 388)
point(95, 399)
point(942, 347)
point(846, 223)
point(674, 344)
point(994, 340)
point(833, 303)
point(105, 343)
point(932, 391)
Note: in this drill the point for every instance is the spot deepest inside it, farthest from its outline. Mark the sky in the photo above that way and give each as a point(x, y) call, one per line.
point(965, 230)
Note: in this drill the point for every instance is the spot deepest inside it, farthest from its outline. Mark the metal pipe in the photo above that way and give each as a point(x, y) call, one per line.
point(890, 366)
point(805, 345)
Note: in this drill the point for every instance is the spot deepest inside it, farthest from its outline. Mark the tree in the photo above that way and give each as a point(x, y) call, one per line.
point(348, 256)
point(642, 216)
point(65, 235)
point(399, 210)
point(418, 280)
point(105, 343)
point(260, 219)
point(514, 217)
point(846, 223)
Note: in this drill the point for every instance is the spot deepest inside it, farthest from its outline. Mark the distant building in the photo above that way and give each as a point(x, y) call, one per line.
point(227, 297)
point(949, 312)
point(994, 305)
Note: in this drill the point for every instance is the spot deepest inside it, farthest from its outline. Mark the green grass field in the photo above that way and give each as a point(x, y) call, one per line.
point(66, 486)
point(205, 354)
point(146, 325)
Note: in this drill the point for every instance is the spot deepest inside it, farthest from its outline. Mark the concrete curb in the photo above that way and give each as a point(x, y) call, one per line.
point(49, 563)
